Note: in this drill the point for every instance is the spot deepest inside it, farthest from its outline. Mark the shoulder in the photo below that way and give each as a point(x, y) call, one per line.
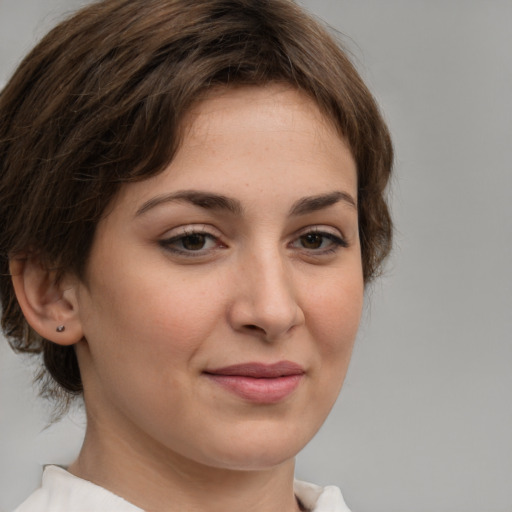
point(61, 491)
point(320, 499)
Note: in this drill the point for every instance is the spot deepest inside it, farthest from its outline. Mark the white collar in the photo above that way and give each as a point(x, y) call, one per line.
point(320, 499)
point(61, 491)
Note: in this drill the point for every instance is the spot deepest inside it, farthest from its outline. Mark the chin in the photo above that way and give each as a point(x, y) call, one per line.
point(257, 452)
point(254, 461)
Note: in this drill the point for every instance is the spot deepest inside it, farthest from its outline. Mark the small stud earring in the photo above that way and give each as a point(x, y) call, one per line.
point(60, 328)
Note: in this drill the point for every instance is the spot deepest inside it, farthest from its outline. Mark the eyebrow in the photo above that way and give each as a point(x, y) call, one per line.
point(202, 199)
point(315, 203)
point(210, 201)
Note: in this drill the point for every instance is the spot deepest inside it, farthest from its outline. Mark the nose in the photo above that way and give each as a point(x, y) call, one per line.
point(265, 301)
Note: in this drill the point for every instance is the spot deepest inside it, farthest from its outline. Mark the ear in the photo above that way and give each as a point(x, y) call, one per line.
point(47, 303)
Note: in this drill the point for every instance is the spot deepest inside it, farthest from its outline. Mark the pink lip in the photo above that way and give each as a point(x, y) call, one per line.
point(258, 382)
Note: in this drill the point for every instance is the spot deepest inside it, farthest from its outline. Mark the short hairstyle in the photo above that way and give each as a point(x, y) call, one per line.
point(100, 101)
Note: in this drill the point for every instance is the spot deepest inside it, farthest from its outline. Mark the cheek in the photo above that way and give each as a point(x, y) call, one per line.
point(180, 313)
point(336, 313)
point(334, 320)
point(149, 316)
point(145, 341)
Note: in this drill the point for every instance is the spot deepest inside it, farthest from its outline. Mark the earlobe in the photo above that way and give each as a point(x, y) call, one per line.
point(48, 304)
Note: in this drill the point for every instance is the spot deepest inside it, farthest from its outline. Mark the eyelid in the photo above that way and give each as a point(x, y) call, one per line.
point(191, 229)
point(334, 235)
point(322, 230)
point(181, 232)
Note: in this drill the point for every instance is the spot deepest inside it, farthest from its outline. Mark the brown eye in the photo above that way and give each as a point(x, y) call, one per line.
point(194, 242)
point(191, 244)
point(312, 240)
point(318, 242)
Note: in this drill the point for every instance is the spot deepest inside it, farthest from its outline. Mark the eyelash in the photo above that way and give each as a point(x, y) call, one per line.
point(335, 241)
point(167, 243)
point(170, 244)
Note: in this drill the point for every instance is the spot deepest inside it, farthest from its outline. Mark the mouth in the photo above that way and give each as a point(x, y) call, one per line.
point(257, 382)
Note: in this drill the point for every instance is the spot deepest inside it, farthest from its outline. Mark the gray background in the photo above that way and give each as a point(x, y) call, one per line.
point(424, 421)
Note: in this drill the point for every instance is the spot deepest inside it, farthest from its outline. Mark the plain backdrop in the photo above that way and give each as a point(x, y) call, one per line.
point(424, 422)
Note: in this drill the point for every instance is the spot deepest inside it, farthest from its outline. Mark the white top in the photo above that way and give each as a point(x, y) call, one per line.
point(61, 491)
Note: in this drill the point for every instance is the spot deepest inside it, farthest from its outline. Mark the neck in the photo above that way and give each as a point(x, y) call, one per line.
point(157, 480)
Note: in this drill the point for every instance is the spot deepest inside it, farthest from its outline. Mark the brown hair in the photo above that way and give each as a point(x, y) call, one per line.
point(99, 101)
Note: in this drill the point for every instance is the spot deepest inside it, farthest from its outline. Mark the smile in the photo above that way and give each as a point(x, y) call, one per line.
point(259, 383)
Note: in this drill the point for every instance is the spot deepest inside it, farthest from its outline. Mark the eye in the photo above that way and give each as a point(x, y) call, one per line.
point(191, 243)
point(313, 240)
point(319, 242)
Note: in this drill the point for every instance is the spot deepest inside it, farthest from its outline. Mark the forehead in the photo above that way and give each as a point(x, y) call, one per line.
point(266, 125)
point(270, 107)
point(253, 140)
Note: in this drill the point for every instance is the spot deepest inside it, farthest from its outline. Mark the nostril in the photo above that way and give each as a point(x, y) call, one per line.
point(253, 327)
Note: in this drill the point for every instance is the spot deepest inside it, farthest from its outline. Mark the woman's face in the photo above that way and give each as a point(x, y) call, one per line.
point(222, 297)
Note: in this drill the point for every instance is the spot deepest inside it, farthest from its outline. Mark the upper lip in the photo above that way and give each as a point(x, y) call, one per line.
point(259, 370)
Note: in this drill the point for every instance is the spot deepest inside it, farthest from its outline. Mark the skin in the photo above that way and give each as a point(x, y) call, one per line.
point(272, 278)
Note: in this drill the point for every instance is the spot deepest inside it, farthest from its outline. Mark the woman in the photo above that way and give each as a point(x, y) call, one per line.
point(191, 203)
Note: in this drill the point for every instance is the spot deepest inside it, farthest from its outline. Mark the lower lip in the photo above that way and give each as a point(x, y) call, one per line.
point(260, 391)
